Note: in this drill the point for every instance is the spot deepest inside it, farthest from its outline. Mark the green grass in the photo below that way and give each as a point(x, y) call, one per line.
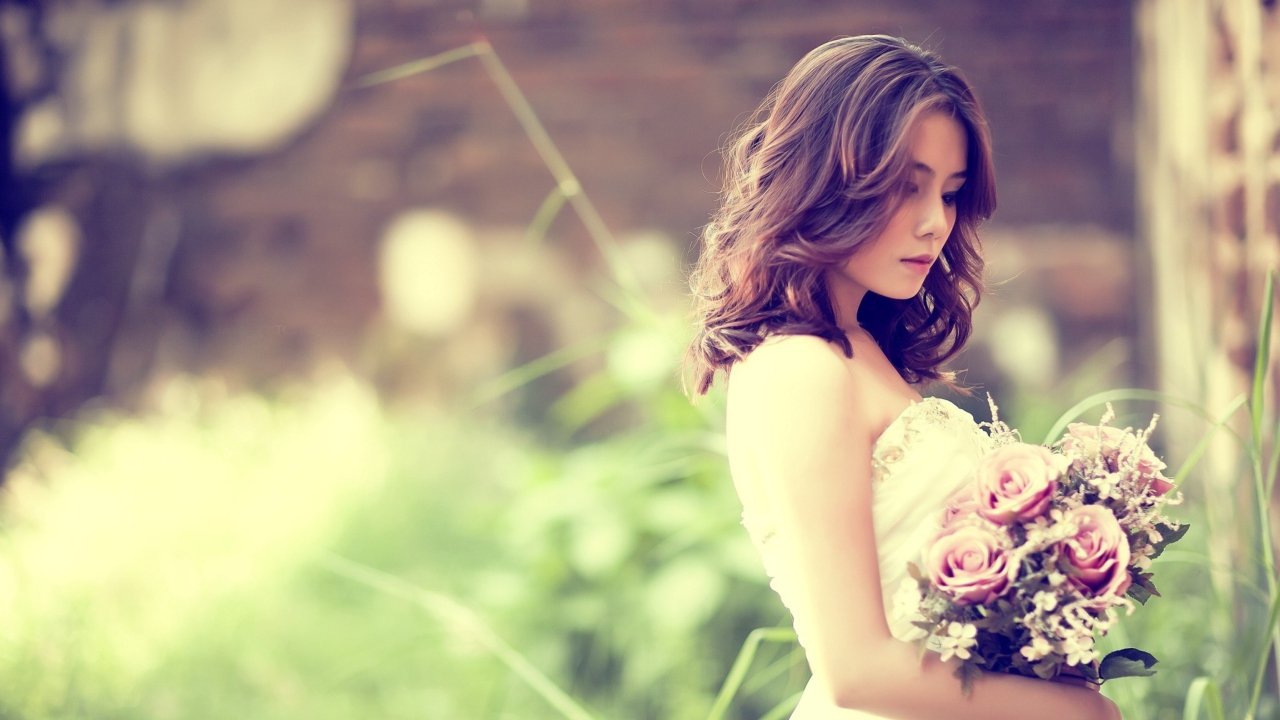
point(179, 565)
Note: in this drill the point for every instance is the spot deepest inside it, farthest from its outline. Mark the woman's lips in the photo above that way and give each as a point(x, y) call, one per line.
point(921, 266)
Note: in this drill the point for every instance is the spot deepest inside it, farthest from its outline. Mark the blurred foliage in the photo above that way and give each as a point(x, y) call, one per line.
point(171, 565)
point(180, 564)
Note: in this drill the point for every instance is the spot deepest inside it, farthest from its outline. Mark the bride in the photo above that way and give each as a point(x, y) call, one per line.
point(837, 277)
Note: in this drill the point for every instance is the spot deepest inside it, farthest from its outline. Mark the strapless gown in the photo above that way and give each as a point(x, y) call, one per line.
point(925, 454)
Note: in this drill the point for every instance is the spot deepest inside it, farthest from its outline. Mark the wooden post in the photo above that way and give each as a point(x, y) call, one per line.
point(1208, 154)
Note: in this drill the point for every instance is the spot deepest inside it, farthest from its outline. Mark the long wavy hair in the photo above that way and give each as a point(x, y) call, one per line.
point(818, 170)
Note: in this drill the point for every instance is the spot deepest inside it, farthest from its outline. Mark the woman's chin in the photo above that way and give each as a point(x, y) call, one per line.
point(900, 292)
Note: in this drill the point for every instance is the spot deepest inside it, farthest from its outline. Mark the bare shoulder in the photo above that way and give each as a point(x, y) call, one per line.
point(793, 358)
point(795, 376)
point(808, 379)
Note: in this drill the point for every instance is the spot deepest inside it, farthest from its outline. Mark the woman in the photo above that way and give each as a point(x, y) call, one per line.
point(839, 274)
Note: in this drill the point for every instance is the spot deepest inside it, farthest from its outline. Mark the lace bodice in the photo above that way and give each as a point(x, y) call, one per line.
point(927, 452)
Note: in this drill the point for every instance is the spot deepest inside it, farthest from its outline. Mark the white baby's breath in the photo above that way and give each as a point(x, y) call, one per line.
point(1045, 601)
point(959, 638)
point(1079, 650)
point(905, 608)
point(1036, 649)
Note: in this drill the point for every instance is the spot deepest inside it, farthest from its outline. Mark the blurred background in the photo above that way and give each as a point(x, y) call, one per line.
point(327, 391)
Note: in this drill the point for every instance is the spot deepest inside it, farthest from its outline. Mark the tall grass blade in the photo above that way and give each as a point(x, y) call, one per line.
point(1106, 396)
point(1274, 464)
point(1262, 477)
point(784, 708)
point(459, 618)
point(1201, 691)
point(542, 220)
point(567, 184)
point(1198, 451)
point(1190, 558)
point(419, 66)
point(585, 402)
point(1261, 365)
point(1262, 359)
point(1263, 656)
point(783, 664)
point(555, 162)
point(629, 304)
point(534, 369)
point(742, 663)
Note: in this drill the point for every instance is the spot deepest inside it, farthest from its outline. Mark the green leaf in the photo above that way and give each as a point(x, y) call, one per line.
point(1203, 690)
point(968, 672)
point(1139, 593)
point(1145, 580)
point(1168, 536)
point(914, 571)
point(1129, 662)
point(1045, 669)
point(985, 623)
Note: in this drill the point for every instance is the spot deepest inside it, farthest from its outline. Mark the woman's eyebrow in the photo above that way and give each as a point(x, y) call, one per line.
point(917, 165)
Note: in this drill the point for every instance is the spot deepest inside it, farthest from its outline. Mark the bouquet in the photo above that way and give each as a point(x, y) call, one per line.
point(1038, 550)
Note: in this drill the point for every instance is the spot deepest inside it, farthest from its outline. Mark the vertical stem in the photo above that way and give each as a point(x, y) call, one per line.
point(1268, 555)
point(555, 162)
point(419, 66)
point(1254, 137)
point(567, 185)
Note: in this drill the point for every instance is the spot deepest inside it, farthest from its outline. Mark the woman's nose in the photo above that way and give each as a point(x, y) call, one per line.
point(933, 218)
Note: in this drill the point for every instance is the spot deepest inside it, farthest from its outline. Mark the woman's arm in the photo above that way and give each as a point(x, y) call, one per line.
point(811, 437)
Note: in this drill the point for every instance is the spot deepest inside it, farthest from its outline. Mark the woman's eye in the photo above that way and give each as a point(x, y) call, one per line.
point(911, 189)
point(949, 199)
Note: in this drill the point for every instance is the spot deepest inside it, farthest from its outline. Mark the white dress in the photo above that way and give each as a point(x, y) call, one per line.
point(925, 454)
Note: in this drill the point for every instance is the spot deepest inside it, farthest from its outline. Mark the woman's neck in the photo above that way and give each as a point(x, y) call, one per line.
point(846, 296)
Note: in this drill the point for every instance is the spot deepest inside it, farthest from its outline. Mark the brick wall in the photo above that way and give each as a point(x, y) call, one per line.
point(274, 263)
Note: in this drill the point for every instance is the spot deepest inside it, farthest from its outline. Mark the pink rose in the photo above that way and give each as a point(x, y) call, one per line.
point(1117, 448)
point(1148, 467)
point(1016, 482)
point(1160, 484)
point(962, 503)
point(1085, 439)
point(1097, 556)
point(969, 564)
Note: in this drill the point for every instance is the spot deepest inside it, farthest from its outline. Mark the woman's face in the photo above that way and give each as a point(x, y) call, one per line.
point(895, 263)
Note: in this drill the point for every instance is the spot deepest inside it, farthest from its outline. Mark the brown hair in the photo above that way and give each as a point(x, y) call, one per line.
point(818, 170)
